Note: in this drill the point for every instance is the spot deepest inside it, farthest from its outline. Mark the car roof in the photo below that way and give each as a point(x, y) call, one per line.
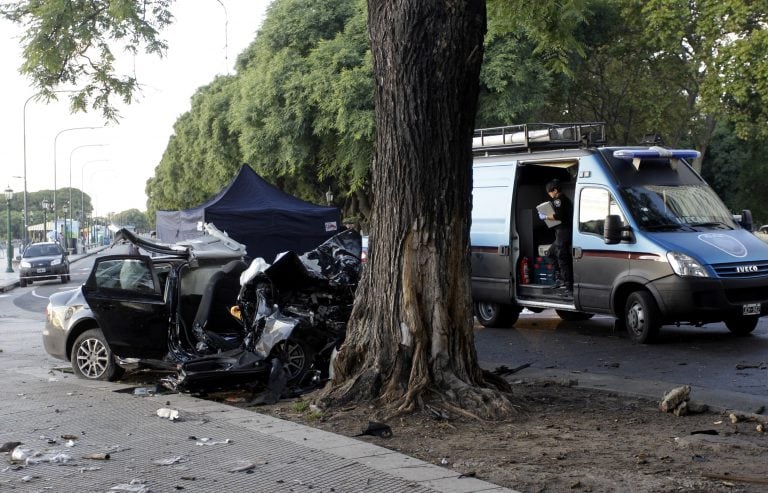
point(215, 244)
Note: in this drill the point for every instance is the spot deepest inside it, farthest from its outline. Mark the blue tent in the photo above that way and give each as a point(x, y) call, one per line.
point(260, 216)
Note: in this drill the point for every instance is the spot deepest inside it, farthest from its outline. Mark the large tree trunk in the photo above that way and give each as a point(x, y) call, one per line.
point(410, 334)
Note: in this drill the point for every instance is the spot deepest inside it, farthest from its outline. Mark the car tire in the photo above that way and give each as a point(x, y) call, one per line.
point(570, 316)
point(741, 326)
point(63, 278)
point(23, 283)
point(496, 314)
point(296, 359)
point(92, 358)
point(642, 317)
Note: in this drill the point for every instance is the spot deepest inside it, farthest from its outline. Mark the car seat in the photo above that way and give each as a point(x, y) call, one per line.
point(213, 323)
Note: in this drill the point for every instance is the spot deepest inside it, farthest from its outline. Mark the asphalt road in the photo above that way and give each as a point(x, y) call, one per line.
point(708, 356)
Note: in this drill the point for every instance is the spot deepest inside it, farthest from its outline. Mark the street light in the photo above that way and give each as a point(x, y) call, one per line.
point(329, 196)
point(8, 197)
point(55, 140)
point(82, 182)
point(65, 208)
point(47, 207)
point(37, 95)
point(70, 178)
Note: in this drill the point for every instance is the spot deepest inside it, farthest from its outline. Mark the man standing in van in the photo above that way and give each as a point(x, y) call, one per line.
point(560, 251)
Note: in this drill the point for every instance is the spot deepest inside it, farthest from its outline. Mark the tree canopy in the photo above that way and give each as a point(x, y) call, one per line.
point(299, 108)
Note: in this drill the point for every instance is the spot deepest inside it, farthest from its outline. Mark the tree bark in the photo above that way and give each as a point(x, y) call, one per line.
point(410, 336)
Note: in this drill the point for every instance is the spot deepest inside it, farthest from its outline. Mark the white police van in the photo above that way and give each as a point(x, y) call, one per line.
point(652, 242)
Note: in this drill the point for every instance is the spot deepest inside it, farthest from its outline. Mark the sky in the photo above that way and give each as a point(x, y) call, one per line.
point(112, 163)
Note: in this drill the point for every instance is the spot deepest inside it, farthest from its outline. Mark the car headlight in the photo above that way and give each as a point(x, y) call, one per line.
point(56, 261)
point(684, 265)
point(25, 264)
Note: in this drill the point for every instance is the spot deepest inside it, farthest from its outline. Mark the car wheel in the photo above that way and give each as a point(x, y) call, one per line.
point(573, 316)
point(496, 314)
point(296, 358)
point(741, 326)
point(23, 283)
point(642, 317)
point(92, 358)
point(63, 279)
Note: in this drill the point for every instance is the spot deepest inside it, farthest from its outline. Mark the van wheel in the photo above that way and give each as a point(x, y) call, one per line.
point(496, 314)
point(573, 316)
point(642, 317)
point(741, 326)
point(23, 283)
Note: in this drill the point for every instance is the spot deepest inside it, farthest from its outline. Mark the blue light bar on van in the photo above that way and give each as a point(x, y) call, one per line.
point(656, 153)
point(674, 155)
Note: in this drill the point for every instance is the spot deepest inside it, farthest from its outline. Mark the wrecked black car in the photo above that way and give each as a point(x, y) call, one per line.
point(197, 310)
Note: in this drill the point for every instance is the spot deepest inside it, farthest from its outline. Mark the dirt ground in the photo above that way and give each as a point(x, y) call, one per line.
point(566, 439)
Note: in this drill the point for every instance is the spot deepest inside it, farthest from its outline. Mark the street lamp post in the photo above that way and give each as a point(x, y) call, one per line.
point(55, 141)
point(37, 95)
point(65, 208)
point(70, 179)
point(8, 197)
point(47, 207)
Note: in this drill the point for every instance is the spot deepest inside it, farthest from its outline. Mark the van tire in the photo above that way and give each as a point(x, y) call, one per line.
point(741, 326)
point(570, 316)
point(496, 314)
point(642, 317)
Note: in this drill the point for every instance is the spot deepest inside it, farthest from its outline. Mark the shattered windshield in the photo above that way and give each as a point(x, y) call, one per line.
point(672, 207)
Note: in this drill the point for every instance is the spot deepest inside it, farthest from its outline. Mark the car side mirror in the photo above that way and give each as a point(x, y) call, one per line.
point(612, 231)
point(18, 258)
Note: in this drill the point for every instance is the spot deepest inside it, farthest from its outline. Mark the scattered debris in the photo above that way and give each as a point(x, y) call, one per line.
point(171, 414)
point(69, 437)
point(677, 397)
point(437, 413)
point(135, 486)
point(167, 462)
point(9, 446)
point(741, 479)
point(744, 366)
point(738, 416)
point(244, 466)
point(376, 429)
point(97, 456)
point(211, 441)
point(505, 370)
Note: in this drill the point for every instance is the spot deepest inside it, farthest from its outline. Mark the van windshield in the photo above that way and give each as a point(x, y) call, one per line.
point(671, 207)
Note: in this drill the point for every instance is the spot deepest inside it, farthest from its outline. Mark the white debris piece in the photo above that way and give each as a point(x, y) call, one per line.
point(211, 441)
point(171, 414)
point(167, 462)
point(135, 486)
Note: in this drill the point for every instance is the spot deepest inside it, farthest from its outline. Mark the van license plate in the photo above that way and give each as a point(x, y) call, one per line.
point(751, 309)
point(40, 271)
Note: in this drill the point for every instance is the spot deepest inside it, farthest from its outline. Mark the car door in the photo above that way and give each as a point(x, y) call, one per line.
point(127, 300)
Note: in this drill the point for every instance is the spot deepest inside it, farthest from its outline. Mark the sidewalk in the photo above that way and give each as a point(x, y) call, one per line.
point(212, 447)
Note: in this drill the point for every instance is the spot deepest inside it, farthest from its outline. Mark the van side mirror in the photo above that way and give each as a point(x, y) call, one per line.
point(745, 221)
point(612, 229)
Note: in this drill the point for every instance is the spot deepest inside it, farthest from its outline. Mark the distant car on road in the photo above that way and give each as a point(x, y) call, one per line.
point(42, 261)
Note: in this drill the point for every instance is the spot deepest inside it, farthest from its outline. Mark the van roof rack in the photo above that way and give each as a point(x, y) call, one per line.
point(527, 136)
